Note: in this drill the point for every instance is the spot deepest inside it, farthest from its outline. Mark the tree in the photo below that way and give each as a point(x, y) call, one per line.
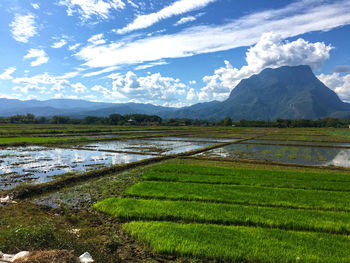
point(228, 121)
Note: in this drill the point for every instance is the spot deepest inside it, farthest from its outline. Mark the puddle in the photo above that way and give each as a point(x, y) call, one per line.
point(284, 154)
point(41, 164)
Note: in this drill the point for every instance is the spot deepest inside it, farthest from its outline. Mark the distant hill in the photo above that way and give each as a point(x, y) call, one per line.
point(285, 92)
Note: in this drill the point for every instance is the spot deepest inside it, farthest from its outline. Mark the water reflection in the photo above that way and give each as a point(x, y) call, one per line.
point(149, 146)
point(40, 164)
point(285, 154)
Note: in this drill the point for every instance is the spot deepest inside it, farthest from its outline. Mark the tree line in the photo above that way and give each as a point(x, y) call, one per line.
point(113, 119)
point(143, 119)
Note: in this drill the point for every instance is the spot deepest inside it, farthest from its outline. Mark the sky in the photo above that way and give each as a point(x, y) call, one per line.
point(169, 53)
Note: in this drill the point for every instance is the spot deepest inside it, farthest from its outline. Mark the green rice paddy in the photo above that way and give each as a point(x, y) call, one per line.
point(238, 212)
point(241, 244)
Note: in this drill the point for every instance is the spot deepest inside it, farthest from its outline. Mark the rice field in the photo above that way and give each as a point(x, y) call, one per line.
point(184, 194)
point(238, 213)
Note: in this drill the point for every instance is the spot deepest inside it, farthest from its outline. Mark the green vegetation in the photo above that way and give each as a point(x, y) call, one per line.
point(327, 200)
point(241, 244)
point(254, 178)
point(247, 172)
point(294, 219)
point(28, 227)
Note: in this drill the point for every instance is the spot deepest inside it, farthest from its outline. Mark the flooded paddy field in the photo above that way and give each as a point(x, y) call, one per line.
point(285, 154)
point(161, 146)
point(38, 164)
point(42, 164)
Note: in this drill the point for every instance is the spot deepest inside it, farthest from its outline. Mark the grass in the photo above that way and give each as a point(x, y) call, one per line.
point(241, 244)
point(255, 170)
point(293, 219)
point(294, 198)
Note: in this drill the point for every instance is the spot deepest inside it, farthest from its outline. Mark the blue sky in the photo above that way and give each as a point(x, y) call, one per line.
point(170, 53)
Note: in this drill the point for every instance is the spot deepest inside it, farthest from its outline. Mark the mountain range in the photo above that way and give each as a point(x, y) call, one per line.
point(285, 92)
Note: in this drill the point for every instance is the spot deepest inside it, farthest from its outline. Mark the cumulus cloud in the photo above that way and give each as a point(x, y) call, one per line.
point(59, 44)
point(292, 20)
point(38, 55)
point(23, 27)
point(339, 83)
point(269, 52)
point(7, 73)
point(153, 88)
point(79, 87)
point(44, 83)
point(89, 8)
point(177, 8)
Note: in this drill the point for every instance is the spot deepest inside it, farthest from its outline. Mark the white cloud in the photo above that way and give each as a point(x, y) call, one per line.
point(96, 73)
point(269, 52)
point(42, 83)
point(38, 55)
point(69, 75)
point(192, 82)
point(97, 40)
point(35, 5)
point(7, 73)
point(150, 65)
point(88, 8)
point(185, 20)
point(177, 8)
point(59, 44)
point(79, 88)
point(153, 88)
point(339, 83)
point(289, 21)
point(74, 47)
point(132, 4)
point(23, 27)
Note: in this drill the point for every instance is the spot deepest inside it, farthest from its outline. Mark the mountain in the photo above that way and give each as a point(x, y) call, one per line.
point(76, 108)
point(285, 92)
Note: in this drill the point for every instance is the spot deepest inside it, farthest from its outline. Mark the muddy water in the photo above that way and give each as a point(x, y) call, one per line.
point(41, 164)
point(285, 154)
